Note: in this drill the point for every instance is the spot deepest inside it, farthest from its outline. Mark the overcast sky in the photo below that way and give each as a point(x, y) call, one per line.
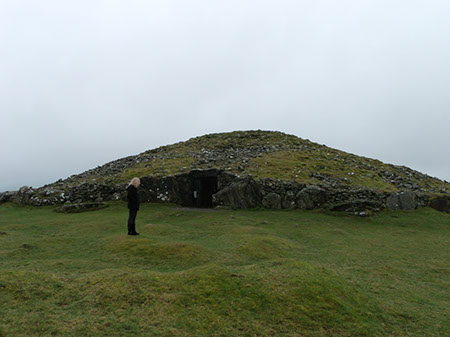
point(86, 82)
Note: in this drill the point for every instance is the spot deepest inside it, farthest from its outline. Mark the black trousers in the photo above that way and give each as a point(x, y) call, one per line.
point(132, 221)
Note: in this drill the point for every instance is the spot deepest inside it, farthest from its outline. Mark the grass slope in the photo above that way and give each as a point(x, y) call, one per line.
point(222, 273)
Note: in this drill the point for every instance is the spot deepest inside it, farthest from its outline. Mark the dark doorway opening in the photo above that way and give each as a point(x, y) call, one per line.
point(204, 188)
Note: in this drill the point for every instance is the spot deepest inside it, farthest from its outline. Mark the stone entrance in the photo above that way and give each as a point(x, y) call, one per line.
point(204, 185)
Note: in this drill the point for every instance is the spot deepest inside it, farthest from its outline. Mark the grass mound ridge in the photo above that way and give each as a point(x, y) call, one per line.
point(157, 252)
point(203, 301)
point(162, 229)
point(268, 247)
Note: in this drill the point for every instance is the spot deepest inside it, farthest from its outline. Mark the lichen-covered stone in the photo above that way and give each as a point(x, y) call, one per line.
point(243, 193)
point(289, 200)
point(311, 197)
point(441, 203)
point(6, 196)
point(405, 200)
point(272, 200)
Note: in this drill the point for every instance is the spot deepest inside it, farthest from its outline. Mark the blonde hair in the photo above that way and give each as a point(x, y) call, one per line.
point(135, 181)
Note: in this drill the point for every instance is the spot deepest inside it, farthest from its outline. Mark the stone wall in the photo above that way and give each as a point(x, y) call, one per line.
point(233, 191)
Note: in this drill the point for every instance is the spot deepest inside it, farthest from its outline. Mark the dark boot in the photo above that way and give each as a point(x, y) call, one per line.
point(133, 230)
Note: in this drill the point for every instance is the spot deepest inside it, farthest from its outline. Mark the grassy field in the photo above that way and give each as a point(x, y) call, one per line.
point(223, 273)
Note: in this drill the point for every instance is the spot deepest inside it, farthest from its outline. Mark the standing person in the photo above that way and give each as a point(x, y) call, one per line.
point(133, 205)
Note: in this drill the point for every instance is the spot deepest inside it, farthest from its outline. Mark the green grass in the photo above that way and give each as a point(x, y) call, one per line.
point(298, 166)
point(223, 273)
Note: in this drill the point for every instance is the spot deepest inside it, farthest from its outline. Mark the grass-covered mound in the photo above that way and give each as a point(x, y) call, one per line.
point(278, 298)
point(153, 252)
point(262, 154)
point(268, 247)
point(222, 273)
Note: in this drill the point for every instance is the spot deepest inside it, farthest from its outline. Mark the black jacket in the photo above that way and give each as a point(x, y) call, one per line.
point(133, 197)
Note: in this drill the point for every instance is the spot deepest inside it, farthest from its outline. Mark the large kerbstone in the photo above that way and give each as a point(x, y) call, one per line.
point(441, 204)
point(240, 194)
point(22, 196)
point(272, 200)
point(310, 197)
point(6, 196)
point(289, 200)
point(406, 200)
